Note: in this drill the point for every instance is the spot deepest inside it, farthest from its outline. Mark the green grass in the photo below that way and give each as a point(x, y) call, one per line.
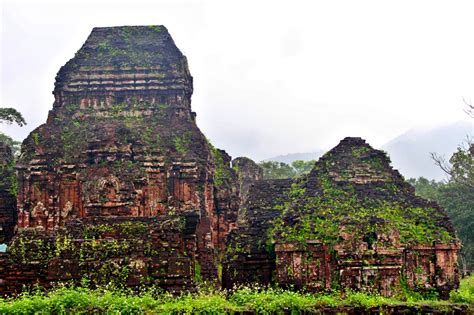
point(261, 300)
point(465, 293)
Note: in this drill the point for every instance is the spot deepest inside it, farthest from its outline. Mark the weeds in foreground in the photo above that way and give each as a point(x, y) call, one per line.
point(262, 300)
point(465, 293)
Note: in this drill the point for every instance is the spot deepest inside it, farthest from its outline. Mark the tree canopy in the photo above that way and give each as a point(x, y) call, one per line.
point(10, 115)
point(280, 170)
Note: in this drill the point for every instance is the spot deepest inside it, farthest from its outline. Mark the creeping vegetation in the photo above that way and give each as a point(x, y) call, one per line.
point(352, 190)
point(182, 143)
point(323, 215)
point(222, 171)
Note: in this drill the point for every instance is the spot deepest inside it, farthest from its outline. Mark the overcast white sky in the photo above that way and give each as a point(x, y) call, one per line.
point(270, 77)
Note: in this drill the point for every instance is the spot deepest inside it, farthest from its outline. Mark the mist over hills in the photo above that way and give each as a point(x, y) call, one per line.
point(410, 151)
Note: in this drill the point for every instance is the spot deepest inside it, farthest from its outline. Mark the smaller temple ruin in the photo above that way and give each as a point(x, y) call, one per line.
point(352, 223)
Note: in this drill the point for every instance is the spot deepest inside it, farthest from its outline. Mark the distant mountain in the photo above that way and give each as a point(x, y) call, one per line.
point(410, 152)
point(288, 158)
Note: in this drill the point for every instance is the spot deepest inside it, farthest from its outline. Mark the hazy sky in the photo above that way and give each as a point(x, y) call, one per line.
point(269, 77)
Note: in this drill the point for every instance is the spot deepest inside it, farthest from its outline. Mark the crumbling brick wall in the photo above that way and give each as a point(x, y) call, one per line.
point(314, 267)
point(104, 251)
point(247, 258)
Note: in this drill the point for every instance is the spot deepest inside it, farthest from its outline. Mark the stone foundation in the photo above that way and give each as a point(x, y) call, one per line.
point(315, 268)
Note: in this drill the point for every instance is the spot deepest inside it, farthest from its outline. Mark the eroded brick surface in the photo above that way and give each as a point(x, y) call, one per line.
point(119, 185)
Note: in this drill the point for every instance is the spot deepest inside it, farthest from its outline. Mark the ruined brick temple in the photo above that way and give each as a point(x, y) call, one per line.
point(120, 185)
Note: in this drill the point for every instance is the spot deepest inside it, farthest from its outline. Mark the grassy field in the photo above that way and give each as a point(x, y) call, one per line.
point(244, 299)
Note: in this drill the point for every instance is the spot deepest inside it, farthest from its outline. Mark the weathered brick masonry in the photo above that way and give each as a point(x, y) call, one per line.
point(120, 185)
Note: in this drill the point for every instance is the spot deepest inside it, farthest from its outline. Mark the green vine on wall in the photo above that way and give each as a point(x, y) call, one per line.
point(331, 209)
point(222, 171)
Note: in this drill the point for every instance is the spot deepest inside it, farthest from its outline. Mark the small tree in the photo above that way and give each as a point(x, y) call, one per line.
point(9, 116)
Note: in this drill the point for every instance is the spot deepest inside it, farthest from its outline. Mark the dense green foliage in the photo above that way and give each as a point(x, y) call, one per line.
point(428, 189)
point(280, 170)
point(11, 115)
point(260, 300)
point(7, 170)
point(456, 196)
point(14, 145)
point(462, 166)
